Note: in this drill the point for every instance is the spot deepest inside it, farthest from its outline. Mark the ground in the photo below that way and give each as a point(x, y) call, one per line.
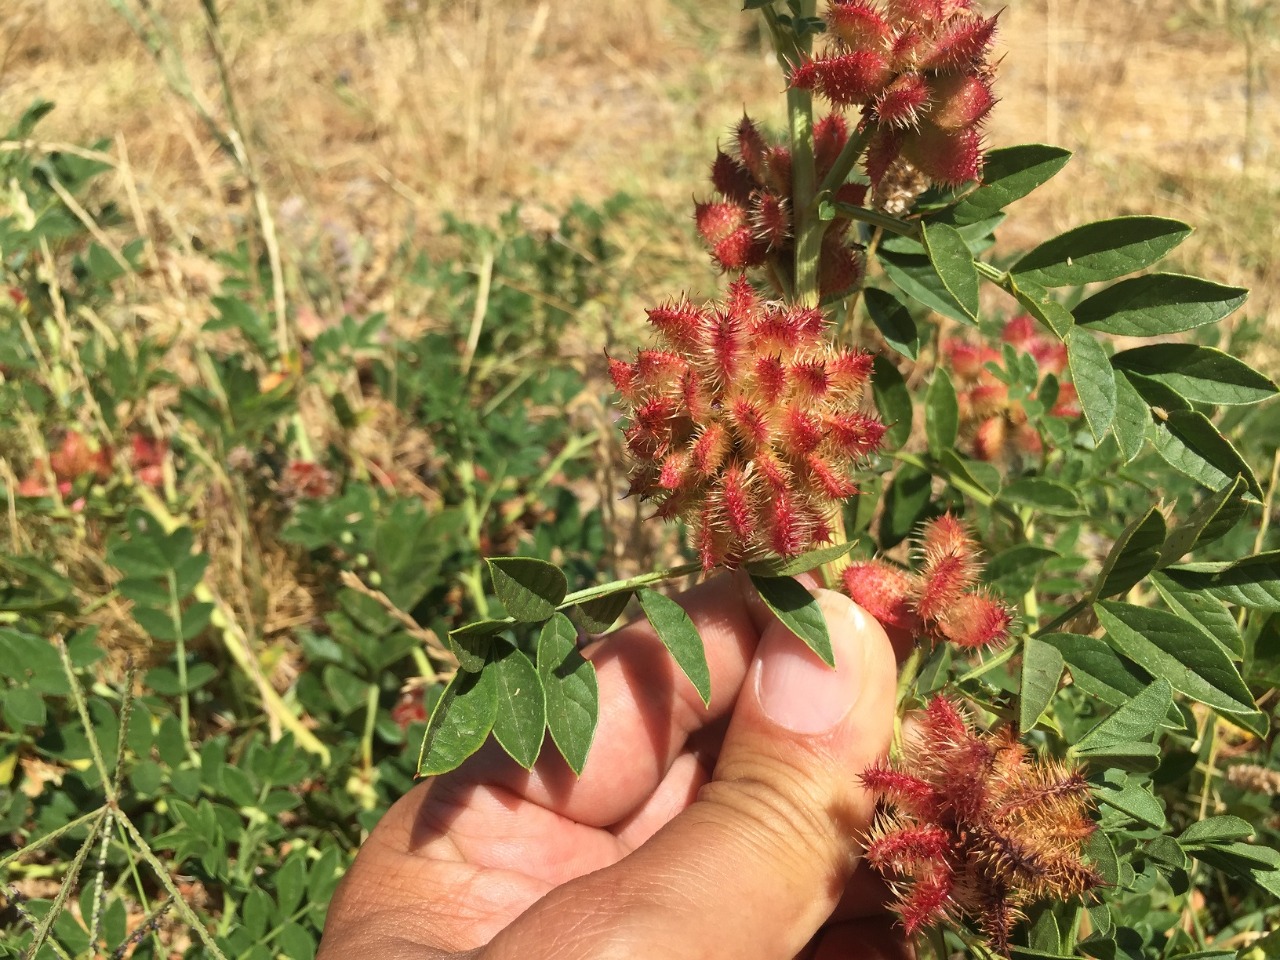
point(370, 119)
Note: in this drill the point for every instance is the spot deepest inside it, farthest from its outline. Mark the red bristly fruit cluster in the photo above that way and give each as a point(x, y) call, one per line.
point(977, 828)
point(746, 421)
point(989, 420)
point(77, 457)
point(752, 225)
point(941, 602)
point(919, 70)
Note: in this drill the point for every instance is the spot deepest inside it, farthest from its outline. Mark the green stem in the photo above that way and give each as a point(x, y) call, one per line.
point(884, 221)
point(809, 228)
point(1075, 609)
point(849, 156)
point(162, 874)
point(1001, 278)
point(792, 50)
point(68, 884)
point(906, 680)
point(615, 586)
point(370, 721)
point(184, 701)
point(82, 708)
point(632, 583)
point(1004, 656)
point(51, 836)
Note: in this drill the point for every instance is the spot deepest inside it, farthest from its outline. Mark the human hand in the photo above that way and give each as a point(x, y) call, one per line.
point(724, 831)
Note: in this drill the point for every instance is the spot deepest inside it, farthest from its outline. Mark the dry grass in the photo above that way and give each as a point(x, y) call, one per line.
point(374, 115)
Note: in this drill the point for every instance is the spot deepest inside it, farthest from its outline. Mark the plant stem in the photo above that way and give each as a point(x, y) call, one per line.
point(184, 701)
point(64, 891)
point(166, 881)
point(51, 836)
point(850, 154)
point(82, 708)
point(903, 228)
point(792, 50)
point(1076, 608)
point(1004, 656)
point(370, 721)
point(617, 586)
point(906, 680)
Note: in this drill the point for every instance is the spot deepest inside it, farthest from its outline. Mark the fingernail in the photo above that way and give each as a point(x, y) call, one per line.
point(799, 692)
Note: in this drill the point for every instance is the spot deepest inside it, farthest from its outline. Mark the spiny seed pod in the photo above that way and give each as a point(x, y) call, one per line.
point(974, 827)
point(752, 225)
point(992, 425)
point(919, 70)
point(746, 421)
point(939, 602)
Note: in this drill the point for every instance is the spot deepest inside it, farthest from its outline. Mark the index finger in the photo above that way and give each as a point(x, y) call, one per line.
point(648, 710)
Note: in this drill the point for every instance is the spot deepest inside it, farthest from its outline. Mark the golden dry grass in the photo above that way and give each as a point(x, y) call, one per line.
point(378, 114)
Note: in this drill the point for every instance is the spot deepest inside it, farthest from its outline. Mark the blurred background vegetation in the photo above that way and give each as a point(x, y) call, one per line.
point(307, 309)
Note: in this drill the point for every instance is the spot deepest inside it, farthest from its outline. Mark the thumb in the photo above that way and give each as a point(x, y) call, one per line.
point(758, 862)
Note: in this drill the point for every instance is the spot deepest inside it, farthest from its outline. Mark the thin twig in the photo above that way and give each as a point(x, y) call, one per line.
point(424, 635)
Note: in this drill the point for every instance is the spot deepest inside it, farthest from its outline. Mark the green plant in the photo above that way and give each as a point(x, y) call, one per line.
point(1114, 532)
point(261, 552)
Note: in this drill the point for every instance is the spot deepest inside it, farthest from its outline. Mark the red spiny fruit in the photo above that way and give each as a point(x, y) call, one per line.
point(76, 458)
point(147, 455)
point(301, 480)
point(771, 219)
point(903, 101)
point(732, 178)
point(746, 421)
point(961, 100)
point(993, 426)
point(858, 23)
point(752, 222)
point(975, 620)
point(753, 149)
point(829, 137)
point(919, 70)
point(886, 592)
point(846, 79)
point(945, 156)
point(973, 827)
point(939, 602)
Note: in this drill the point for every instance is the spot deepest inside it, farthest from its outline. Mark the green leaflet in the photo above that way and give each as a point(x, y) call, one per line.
point(1101, 251)
point(1009, 174)
point(681, 638)
point(1158, 304)
point(1205, 610)
point(1196, 373)
point(794, 566)
point(529, 589)
point(459, 724)
point(1132, 798)
point(1134, 554)
point(521, 718)
point(1212, 517)
point(1094, 379)
point(1137, 720)
point(798, 610)
point(1192, 445)
point(893, 401)
point(942, 413)
point(1045, 496)
point(953, 263)
point(1169, 647)
point(1041, 669)
point(915, 276)
point(893, 320)
point(572, 693)
point(1131, 420)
